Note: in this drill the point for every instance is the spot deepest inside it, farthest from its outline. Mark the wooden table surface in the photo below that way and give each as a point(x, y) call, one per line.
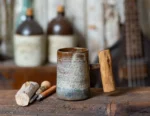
point(125, 102)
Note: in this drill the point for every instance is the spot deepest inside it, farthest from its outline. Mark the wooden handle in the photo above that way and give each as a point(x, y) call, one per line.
point(49, 91)
point(44, 86)
point(106, 71)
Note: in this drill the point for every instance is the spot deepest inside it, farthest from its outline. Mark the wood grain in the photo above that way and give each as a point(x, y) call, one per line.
point(95, 28)
point(12, 76)
point(105, 61)
point(126, 102)
point(111, 23)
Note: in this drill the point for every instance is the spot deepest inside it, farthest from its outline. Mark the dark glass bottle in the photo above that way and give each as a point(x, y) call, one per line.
point(29, 42)
point(60, 34)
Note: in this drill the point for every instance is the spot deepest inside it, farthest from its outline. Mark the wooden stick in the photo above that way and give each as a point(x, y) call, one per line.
point(26, 92)
point(47, 92)
point(106, 71)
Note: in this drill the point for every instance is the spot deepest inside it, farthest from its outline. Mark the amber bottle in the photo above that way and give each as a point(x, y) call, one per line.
point(29, 43)
point(60, 34)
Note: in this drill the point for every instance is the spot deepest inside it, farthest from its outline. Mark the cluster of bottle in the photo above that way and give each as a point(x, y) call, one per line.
point(30, 43)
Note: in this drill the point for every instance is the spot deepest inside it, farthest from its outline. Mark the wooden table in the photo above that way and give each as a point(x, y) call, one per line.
point(125, 102)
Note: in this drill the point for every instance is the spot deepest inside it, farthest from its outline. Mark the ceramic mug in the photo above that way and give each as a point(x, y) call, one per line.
point(73, 80)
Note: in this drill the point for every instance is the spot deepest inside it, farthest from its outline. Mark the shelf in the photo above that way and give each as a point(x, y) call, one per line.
point(12, 76)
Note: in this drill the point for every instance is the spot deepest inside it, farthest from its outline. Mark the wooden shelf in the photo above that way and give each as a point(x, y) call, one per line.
point(12, 76)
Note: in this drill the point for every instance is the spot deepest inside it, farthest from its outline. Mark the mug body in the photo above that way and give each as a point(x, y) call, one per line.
point(73, 81)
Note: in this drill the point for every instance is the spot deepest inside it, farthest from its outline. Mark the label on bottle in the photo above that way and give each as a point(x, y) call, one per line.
point(29, 50)
point(59, 41)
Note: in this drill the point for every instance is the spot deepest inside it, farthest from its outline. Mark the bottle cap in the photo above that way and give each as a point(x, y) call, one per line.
point(60, 8)
point(29, 12)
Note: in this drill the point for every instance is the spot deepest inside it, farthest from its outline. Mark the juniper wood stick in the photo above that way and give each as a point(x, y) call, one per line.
point(106, 71)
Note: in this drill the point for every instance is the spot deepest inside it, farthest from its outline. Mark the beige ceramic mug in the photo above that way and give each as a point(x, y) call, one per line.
point(73, 81)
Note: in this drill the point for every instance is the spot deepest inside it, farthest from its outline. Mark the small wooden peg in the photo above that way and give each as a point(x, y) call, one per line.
point(106, 71)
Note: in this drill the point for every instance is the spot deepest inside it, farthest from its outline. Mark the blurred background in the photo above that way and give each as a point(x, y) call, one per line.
point(119, 25)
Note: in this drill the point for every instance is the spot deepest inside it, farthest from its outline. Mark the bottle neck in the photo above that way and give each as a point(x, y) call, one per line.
point(60, 14)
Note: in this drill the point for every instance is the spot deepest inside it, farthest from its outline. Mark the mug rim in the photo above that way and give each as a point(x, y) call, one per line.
point(72, 50)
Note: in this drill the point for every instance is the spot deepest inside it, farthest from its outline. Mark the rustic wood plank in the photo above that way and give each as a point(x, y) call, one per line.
point(95, 27)
point(111, 23)
point(144, 16)
point(121, 10)
point(41, 12)
point(102, 25)
point(88, 20)
point(12, 76)
point(126, 102)
point(76, 13)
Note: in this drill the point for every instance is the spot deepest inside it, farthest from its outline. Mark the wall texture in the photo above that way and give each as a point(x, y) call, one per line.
point(96, 22)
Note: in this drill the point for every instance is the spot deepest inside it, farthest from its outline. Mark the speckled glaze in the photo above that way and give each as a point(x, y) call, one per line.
point(73, 81)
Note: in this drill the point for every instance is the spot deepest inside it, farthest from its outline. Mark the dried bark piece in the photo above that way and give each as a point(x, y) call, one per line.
point(26, 92)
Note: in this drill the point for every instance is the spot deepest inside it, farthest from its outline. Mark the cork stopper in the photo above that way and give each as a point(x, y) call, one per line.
point(60, 9)
point(29, 12)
